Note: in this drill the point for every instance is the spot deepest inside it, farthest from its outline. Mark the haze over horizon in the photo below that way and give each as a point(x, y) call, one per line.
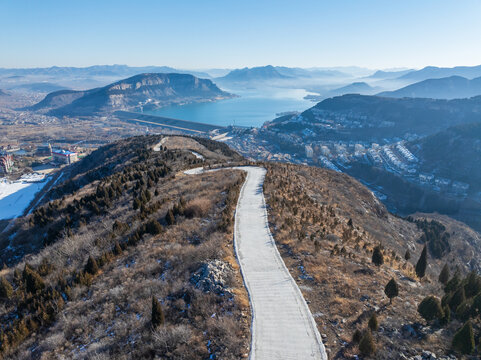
point(193, 35)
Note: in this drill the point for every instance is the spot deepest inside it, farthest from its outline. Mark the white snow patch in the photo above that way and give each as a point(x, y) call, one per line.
point(197, 155)
point(194, 171)
point(15, 196)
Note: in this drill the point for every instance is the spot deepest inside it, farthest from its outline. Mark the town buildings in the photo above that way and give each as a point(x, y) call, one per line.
point(62, 156)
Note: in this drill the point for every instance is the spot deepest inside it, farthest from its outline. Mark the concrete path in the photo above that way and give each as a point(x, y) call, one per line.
point(282, 325)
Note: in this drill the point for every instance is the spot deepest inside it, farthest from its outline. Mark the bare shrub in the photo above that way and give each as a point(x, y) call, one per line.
point(167, 338)
point(198, 207)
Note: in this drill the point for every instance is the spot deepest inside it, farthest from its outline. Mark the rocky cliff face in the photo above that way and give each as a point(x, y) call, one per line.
point(144, 90)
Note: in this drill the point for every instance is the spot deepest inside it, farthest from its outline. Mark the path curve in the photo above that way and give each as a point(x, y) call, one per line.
point(282, 324)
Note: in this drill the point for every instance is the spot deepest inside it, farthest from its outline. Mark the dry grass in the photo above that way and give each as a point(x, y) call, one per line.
point(111, 317)
point(182, 142)
point(198, 207)
point(309, 214)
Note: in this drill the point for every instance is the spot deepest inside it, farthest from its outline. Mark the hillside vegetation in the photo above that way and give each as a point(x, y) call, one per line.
point(343, 248)
point(454, 153)
point(128, 258)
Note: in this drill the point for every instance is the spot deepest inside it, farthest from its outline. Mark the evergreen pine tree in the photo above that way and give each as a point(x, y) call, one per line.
point(170, 218)
point(458, 298)
point(447, 315)
point(377, 257)
point(444, 275)
point(407, 255)
point(391, 290)
point(366, 345)
point(157, 313)
point(153, 227)
point(91, 267)
point(33, 281)
point(430, 308)
point(463, 340)
point(476, 307)
point(6, 289)
point(472, 284)
point(422, 263)
point(373, 324)
point(117, 248)
point(357, 336)
point(453, 284)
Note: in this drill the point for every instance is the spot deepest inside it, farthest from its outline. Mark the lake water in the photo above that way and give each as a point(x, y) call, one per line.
point(251, 108)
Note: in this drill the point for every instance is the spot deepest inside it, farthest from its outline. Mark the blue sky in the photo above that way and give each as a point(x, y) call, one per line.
point(224, 33)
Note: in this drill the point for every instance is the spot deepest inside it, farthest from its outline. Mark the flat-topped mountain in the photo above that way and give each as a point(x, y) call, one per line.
point(453, 87)
point(149, 90)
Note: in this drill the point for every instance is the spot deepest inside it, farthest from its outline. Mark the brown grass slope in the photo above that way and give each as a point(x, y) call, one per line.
point(151, 232)
point(326, 226)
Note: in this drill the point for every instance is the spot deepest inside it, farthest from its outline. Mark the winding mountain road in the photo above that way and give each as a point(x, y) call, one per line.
point(282, 324)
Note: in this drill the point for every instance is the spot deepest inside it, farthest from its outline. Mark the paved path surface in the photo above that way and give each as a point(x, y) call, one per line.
point(282, 325)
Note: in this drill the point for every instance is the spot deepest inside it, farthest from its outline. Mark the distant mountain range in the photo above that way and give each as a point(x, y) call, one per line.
point(253, 74)
point(3, 93)
point(354, 88)
point(270, 73)
point(97, 70)
point(453, 87)
point(433, 72)
point(146, 90)
point(381, 74)
point(362, 88)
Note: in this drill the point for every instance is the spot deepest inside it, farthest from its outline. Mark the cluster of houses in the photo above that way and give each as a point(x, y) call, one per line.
point(59, 156)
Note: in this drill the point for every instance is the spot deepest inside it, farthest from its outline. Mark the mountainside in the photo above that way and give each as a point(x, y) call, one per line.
point(453, 87)
point(147, 90)
point(3, 93)
point(454, 153)
point(128, 258)
point(372, 118)
point(329, 228)
point(433, 72)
